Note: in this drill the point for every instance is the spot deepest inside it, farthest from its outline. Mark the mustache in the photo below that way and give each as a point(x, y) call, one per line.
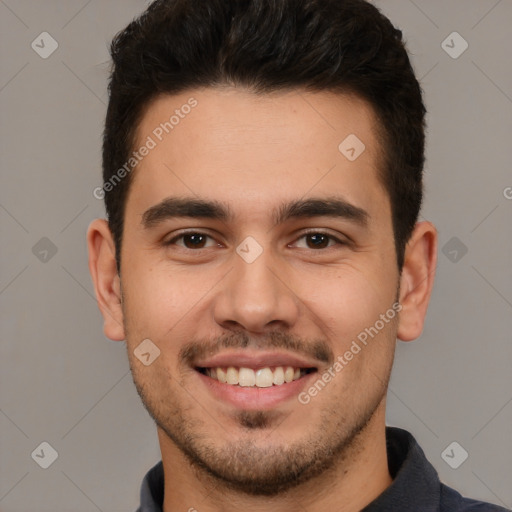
point(199, 349)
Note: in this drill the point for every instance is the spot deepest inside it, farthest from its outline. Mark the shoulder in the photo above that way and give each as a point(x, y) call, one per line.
point(416, 484)
point(452, 501)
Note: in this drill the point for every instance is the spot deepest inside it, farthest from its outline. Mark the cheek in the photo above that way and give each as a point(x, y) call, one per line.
point(165, 305)
point(358, 319)
point(350, 305)
point(155, 301)
point(347, 302)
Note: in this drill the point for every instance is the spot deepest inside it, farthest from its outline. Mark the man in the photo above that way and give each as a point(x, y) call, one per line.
point(262, 178)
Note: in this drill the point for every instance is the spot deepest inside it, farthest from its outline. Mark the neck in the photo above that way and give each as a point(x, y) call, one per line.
point(360, 476)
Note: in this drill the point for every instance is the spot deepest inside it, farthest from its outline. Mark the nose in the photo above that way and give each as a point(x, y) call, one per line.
point(256, 297)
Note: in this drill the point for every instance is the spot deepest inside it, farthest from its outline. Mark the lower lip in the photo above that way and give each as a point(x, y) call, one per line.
point(254, 398)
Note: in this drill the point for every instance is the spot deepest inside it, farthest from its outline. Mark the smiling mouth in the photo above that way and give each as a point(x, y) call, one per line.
point(265, 377)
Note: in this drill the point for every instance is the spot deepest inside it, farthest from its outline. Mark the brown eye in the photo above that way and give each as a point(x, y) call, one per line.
point(318, 240)
point(192, 240)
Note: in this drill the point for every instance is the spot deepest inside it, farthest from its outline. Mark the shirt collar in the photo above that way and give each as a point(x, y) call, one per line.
point(415, 484)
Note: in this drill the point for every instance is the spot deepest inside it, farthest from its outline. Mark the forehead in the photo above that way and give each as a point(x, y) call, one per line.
point(253, 150)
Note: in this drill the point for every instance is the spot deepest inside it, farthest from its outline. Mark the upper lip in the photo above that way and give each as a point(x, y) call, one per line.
point(254, 360)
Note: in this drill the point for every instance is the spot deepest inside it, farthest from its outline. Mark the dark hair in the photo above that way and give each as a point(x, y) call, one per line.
point(344, 46)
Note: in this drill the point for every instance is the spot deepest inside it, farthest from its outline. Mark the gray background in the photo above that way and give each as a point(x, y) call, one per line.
point(62, 382)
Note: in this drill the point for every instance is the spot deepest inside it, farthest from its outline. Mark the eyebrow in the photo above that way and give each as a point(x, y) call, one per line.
point(190, 207)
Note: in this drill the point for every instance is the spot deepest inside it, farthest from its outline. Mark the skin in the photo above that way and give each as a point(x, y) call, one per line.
point(253, 153)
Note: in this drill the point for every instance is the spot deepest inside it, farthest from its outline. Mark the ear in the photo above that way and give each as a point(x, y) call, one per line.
point(417, 280)
point(107, 283)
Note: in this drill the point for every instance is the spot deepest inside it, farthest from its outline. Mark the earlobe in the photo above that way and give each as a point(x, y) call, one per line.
point(107, 284)
point(417, 280)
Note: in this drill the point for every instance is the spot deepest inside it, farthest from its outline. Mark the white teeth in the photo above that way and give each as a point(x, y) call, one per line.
point(232, 376)
point(278, 376)
point(246, 377)
point(221, 375)
point(264, 378)
point(261, 378)
point(288, 374)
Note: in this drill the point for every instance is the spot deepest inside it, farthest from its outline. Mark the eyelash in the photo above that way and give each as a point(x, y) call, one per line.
point(311, 232)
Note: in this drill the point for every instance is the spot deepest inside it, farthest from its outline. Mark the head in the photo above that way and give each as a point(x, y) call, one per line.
point(287, 138)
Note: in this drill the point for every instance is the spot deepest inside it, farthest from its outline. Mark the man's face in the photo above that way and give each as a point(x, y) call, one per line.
point(263, 286)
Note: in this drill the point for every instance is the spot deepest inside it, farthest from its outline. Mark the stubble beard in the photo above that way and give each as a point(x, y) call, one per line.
point(255, 468)
point(260, 468)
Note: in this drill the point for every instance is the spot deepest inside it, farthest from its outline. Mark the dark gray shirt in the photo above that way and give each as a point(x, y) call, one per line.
point(416, 486)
